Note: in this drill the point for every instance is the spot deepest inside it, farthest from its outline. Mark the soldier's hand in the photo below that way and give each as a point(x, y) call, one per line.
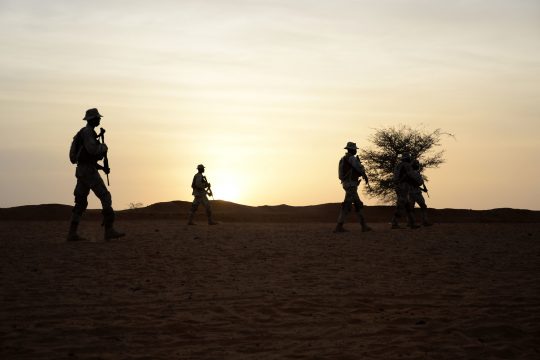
point(105, 148)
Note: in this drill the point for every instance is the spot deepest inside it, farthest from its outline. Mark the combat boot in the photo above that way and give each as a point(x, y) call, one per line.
point(190, 220)
point(425, 220)
point(111, 233)
point(365, 227)
point(339, 228)
point(72, 234)
point(411, 223)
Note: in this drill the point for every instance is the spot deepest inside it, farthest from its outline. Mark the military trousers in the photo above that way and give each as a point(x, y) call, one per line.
point(198, 200)
point(403, 203)
point(88, 179)
point(351, 198)
point(416, 197)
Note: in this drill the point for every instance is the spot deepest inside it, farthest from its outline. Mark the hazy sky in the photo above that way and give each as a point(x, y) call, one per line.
point(267, 93)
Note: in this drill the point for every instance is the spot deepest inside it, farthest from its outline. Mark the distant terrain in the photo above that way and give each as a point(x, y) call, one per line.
point(232, 212)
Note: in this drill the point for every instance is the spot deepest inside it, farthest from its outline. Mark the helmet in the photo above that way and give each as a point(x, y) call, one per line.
point(406, 157)
point(200, 167)
point(415, 164)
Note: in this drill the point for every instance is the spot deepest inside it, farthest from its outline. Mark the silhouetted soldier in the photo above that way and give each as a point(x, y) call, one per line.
point(86, 151)
point(350, 171)
point(403, 176)
point(201, 188)
point(417, 187)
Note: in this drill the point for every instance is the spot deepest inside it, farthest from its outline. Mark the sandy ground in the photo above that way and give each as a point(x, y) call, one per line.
point(270, 291)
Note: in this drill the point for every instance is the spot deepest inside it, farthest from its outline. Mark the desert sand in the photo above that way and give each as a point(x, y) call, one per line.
point(270, 291)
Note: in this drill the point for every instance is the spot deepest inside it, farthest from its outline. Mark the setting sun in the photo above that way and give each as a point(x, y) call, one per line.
point(225, 187)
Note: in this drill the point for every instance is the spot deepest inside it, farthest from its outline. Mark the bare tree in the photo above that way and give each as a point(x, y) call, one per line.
point(388, 143)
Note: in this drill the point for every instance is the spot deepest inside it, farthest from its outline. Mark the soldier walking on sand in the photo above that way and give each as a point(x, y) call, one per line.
point(350, 172)
point(403, 176)
point(86, 151)
point(416, 190)
point(201, 188)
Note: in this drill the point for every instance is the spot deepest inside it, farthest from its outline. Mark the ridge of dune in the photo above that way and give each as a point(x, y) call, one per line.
point(234, 212)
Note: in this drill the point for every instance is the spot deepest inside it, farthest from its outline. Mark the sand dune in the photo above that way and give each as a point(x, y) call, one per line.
point(231, 212)
point(270, 291)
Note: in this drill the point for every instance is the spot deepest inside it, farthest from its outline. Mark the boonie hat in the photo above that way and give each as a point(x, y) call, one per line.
point(351, 145)
point(92, 114)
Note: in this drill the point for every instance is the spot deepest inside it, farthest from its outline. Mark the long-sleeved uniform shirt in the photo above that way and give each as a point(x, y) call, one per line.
point(92, 150)
point(199, 185)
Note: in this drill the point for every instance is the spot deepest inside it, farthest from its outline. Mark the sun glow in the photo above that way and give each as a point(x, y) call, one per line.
point(226, 187)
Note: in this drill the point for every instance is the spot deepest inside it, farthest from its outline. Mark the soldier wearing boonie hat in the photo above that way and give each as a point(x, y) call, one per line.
point(350, 171)
point(86, 151)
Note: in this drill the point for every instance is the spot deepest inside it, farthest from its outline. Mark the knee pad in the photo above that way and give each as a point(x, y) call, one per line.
point(358, 205)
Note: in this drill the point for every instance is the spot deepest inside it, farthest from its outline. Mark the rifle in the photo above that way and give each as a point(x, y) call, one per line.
point(365, 176)
point(106, 168)
point(209, 188)
point(368, 185)
point(425, 190)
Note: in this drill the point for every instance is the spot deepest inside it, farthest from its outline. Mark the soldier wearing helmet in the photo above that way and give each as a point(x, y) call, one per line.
point(418, 186)
point(201, 188)
point(403, 176)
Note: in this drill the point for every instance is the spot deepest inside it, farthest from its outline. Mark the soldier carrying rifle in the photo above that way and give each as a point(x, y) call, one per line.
point(417, 187)
point(86, 151)
point(201, 188)
point(350, 171)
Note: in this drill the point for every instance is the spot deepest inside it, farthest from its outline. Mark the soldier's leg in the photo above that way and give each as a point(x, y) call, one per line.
point(408, 205)
point(423, 210)
point(206, 204)
point(346, 206)
point(358, 207)
point(81, 202)
point(194, 207)
point(398, 211)
point(99, 188)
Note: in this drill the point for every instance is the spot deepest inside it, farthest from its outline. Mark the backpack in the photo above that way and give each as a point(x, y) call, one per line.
point(344, 168)
point(75, 148)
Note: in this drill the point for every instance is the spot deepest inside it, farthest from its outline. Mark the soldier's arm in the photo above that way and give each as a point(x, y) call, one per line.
point(358, 167)
point(91, 144)
point(418, 178)
point(199, 183)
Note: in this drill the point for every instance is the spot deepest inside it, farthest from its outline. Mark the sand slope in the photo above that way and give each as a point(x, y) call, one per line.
point(231, 212)
point(270, 291)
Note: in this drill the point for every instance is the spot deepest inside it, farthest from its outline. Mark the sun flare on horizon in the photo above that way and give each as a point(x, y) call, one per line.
point(227, 187)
